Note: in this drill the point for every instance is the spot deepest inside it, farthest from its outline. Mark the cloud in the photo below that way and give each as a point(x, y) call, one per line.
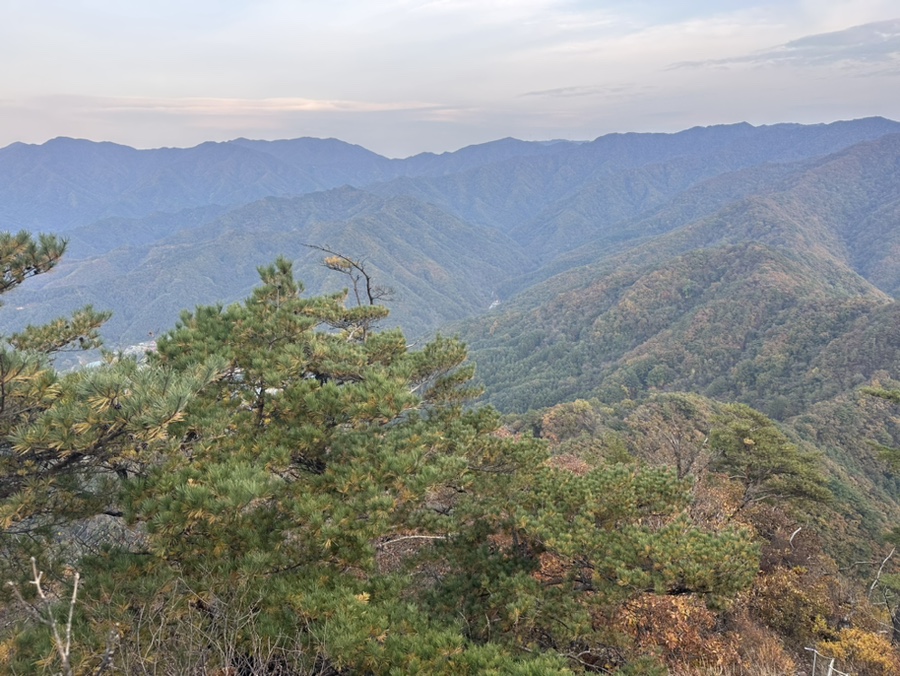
point(490, 11)
point(867, 44)
point(206, 106)
point(566, 92)
point(589, 90)
point(402, 76)
point(235, 106)
point(395, 128)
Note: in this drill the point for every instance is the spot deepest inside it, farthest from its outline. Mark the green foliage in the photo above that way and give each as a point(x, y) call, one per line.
point(284, 477)
point(892, 455)
point(890, 395)
point(35, 472)
point(741, 322)
point(22, 257)
point(749, 448)
point(79, 331)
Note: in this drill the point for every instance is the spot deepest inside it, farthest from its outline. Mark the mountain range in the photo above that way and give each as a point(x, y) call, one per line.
point(152, 232)
point(621, 298)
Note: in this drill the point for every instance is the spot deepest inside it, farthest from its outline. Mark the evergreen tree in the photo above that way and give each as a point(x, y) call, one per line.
point(749, 447)
point(22, 257)
point(890, 454)
point(31, 474)
point(303, 494)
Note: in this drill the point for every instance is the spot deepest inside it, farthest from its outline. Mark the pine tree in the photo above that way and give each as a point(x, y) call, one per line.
point(300, 492)
point(68, 442)
point(29, 386)
point(22, 257)
point(749, 448)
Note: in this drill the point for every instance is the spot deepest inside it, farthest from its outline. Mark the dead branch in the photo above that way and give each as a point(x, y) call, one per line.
point(44, 615)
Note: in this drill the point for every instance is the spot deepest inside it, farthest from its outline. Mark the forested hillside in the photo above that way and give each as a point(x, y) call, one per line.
point(690, 340)
point(738, 303)
point(439, 268)
point(207, 216)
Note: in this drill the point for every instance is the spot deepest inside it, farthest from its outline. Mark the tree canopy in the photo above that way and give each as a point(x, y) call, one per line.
point(281, 488)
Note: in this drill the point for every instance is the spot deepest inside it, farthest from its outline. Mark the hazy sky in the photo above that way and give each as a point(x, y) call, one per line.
point(403, 76)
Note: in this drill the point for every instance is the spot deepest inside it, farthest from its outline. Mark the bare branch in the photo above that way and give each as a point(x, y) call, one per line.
point(71, 612)
point(880, 569)
point(44, 615)
point(355, 269)
point(412, 537)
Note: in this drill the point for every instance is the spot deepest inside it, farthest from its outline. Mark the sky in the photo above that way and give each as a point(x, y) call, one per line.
point(406, 76)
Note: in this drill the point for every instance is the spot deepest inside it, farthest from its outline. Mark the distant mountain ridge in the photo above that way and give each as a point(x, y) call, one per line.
point(66, 182)
point(152, 232)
